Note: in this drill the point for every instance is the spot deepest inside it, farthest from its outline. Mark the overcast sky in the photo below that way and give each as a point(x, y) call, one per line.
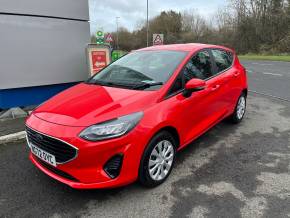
point(131, 12)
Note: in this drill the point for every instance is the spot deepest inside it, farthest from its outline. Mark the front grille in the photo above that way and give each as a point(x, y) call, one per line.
point(56, 171)
point(62, 151)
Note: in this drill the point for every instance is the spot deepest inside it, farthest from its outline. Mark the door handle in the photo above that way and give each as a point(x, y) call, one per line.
point(236, 74)
point(214, 88)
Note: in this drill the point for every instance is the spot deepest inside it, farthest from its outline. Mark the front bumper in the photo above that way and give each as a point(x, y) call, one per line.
point(87, 169)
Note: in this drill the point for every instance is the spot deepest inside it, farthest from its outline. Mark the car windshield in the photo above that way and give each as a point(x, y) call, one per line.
point(140, 70)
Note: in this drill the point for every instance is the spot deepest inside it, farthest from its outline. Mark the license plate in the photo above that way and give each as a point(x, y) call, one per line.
point(43, 155)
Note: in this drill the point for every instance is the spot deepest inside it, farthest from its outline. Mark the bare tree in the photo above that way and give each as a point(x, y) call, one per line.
point(256, 26)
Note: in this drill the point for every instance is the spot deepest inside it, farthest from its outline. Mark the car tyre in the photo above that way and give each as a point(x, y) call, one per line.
point(240, 109)
point(157, 160)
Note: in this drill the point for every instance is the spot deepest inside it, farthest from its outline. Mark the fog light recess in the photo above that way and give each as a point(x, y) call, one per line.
point(113, 166)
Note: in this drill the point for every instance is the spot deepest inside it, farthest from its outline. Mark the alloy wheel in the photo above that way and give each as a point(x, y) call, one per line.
point(241, 107)
point(161, 160)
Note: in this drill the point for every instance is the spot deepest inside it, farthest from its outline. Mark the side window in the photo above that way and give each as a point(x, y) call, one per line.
point(223, 59)
point(199, 67)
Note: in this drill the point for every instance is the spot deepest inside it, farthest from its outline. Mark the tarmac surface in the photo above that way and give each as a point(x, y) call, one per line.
point(11, 126)
point(231, 171)
point(269, 77)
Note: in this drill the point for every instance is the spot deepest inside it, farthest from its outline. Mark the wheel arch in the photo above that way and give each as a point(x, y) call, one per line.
point(245, 91)
point(173, 131)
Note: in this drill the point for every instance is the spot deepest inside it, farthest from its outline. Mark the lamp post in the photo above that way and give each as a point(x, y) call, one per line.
point(147, 23)
point(117, 23)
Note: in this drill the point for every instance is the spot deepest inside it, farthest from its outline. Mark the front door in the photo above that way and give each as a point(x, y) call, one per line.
point(203, 108)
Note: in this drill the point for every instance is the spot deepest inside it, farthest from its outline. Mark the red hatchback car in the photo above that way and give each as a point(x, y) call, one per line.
point(127, 122)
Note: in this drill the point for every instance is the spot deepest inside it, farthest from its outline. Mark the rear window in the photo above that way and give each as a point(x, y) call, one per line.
point(223, 59)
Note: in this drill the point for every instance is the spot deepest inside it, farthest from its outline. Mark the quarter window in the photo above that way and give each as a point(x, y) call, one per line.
point(223, 59)
point(177, 85)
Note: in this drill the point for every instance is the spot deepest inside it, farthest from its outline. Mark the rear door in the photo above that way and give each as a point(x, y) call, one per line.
point(229, 76)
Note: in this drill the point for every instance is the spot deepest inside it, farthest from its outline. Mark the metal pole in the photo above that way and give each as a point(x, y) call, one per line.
point(117, 32)
point(147, 23)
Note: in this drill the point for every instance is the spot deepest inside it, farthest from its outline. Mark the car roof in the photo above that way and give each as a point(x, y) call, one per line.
point(183, 47)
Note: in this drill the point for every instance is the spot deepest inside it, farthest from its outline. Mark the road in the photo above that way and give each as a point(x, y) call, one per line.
point(269, 77)
point(231, 171)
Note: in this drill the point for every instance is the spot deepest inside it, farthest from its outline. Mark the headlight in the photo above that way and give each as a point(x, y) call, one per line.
point(112, 128)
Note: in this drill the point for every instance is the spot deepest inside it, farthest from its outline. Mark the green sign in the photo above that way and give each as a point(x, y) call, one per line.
point(117, 54)
point(100, 34)
point(100, 40)
point(100, 37)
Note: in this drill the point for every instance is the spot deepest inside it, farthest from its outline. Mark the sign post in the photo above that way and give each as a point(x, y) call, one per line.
point(158, 39)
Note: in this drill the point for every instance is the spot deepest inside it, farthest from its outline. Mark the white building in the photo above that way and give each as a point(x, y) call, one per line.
point(42, 48)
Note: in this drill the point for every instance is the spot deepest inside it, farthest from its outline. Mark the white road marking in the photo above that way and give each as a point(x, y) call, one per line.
point(269, 95)
point(262, 64)
point(273, 74)
point(265, 73)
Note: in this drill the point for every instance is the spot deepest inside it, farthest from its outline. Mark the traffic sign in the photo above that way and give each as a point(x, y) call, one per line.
point(109, 38)
point(158, 39)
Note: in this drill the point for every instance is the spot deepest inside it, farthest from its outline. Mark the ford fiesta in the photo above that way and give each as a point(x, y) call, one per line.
point(127, 122)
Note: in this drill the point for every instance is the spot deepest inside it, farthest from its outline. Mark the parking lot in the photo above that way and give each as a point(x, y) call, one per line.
point(231, 171)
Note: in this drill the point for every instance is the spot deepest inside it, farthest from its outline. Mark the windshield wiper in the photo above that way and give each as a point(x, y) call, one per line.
point(126, 85)
point(112, 84)
point(147, 85)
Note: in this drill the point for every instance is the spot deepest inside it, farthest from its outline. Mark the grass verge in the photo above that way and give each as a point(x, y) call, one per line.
point(265, 57)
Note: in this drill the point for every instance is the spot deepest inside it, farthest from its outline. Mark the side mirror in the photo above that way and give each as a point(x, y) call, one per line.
point(193, 85)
